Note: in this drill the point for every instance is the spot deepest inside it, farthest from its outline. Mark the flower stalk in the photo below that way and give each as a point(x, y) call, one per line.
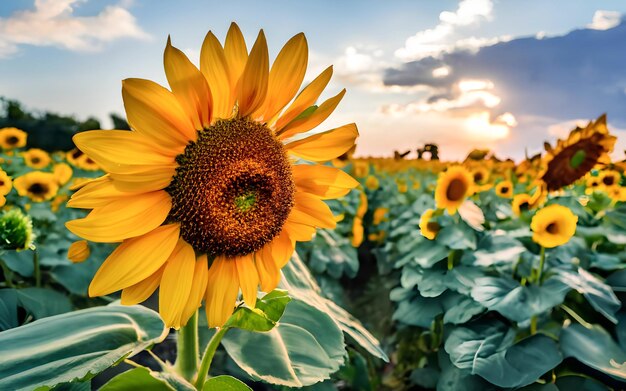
point(207, 357)
point(187, 347)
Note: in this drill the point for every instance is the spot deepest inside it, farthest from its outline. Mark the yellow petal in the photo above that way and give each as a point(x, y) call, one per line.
point(119, 151)
point(222, 290)
point(125, 218)
point(299, 232)
point(176, 284)
point(96, 193)
point(188, 85)
point(282, 249)
point(310, 210)
point(215, 69)
point(269, 274)
point(236, 54)
point(78, 251)
point(198, 288)
point(248, 278)
point(135, 260)
point(323, 181)
point(286, 76)
point(252, 86)
point(79, 183)
point(325, 146)
point(154, 111)
point(142, 290)
point(145, 178)
point(305, 99)
point(317, 117)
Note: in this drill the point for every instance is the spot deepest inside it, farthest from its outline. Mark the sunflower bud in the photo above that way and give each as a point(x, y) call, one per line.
point(16, 230)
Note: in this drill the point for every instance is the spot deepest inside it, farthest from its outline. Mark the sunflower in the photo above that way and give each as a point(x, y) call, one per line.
point(592, 184)
point(372, 183)
point(380, 215)
point(453, 187)
point(78, 159)
point(12, 138)
point(504, 189)
point(205, 193)
point(553, 226)
point(36, 158)
point(571, 159)
point(62, 172)
point(5, 183)
point(37, 185)
point(610, 178)
point(429, 228)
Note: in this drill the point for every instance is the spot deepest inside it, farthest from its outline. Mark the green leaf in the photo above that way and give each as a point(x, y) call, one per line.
point(497, 250)
point(429, 252)
point(460, 309)
point(594, 347)
point(516, 302)
point(42, 302)
point(136, 379)
point(459, 236)
point(268, 311)
point(420, 311)
point(305, 347)
point(8, 309)
point(273, 304)
point(75, 346)
point(20, 262)
point(225, 383)
point(579, 382)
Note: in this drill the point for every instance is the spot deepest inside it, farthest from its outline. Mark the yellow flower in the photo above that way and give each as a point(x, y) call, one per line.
point(12, 138)
point(362, 208)
point(36, 185)
point(504, 189)
point(618, 193)
point(36, 158)
point(592, 183)
point(453, 187)
point(62, 172)
point(402, 186)
point(553, 226)
point(78, 251)
point(5, 183)
point(78, 159)
point(57, 201)
point(372, 182)
point(480, 175)
point(360, 169)
point(205, 193)
point(610, 178)
point(380, 215)
point(428, 227)
point(357, 232)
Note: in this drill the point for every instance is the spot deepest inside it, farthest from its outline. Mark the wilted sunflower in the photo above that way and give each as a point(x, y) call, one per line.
point(571, 159)
point(36, 158)
point(204, 192)
point(429, 228)
point(5, 183)
point(504, 189)
point(12, 138)
point(36, 185)
point(553, 226)
point(453, 187)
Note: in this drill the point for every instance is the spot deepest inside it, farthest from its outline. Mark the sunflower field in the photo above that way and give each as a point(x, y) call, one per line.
point(219, 244)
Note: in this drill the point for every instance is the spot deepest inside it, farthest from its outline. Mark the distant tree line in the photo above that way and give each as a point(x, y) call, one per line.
point(46, 130)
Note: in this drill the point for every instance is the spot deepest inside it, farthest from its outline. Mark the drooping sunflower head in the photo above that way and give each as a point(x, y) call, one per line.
point(36, 185)
point(453, 187)
point(206, 192)
point(36, 158)
point(429, 227)
point(571, 159)
point(553, 226)
point(11, 138)
point(504, 189)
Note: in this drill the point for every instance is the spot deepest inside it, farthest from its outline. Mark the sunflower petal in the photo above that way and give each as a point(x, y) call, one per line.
point(305, 99)
point(323, 181)
point(135, 260)
point(252, 86)
point(282, 249)
point(299, 232)
point(325, 146)
point(285, 76)
point(189, 86)
point(96, 193)
point(154, 112)
point(142, 290)
point(222, 290)
point(215, 69)
point(198, 287)
point(123, 218)
point(269, 274)
point(317, 117)
point(236, 54)
point(248, 278)
point(176, 284)
point(310, 210)
point(145, 178)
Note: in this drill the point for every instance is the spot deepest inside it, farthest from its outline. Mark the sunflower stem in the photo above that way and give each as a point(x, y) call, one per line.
point(542, 261)
point(37, 269)
point(187, 346)
point(451, 259)
point(207, 358)
point(533, 325)
point(7, 274)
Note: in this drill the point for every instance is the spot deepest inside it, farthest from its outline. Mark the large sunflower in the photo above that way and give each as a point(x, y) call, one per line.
point(204, 193)
point(571, 159)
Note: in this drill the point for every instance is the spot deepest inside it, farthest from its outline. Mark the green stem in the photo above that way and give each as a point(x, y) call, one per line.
point(542, 261)
point(187, 347)
point(451, 259)
point(37, 269)
point(7, 274)
point(578, 318)
point(208, 356)
point(533, 325)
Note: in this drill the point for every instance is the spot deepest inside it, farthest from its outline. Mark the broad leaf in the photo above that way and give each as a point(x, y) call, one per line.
point(225, 383)
point(42, 302)
point(136, 379)
point(268, 311)
point(8, 309)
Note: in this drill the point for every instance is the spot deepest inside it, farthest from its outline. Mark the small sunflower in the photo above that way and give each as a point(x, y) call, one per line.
point(553, 226)
point(380, 215)
point(36, 185)
point(11, 138)
point(372, 183)
point(592, 184)
point(429, 228)
point(36, 158)
point(62, 172)
point(78, 159)
point(5, 183)
point(504, 189)
point(453, 187)
point(610, 178)
point(571, 159)
point(205, 193)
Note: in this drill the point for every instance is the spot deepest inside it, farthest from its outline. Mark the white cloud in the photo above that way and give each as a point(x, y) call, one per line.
point(604, 20)
point(53, 23)
point(444, 37)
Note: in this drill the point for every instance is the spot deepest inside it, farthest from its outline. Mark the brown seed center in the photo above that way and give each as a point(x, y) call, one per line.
point(38, 189)
point(456, 190)
point(552, 228)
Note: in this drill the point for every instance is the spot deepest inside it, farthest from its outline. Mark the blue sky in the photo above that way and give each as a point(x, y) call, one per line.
point(474, 73)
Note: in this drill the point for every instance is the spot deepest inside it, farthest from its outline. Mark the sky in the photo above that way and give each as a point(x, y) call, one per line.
point(502, 75)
